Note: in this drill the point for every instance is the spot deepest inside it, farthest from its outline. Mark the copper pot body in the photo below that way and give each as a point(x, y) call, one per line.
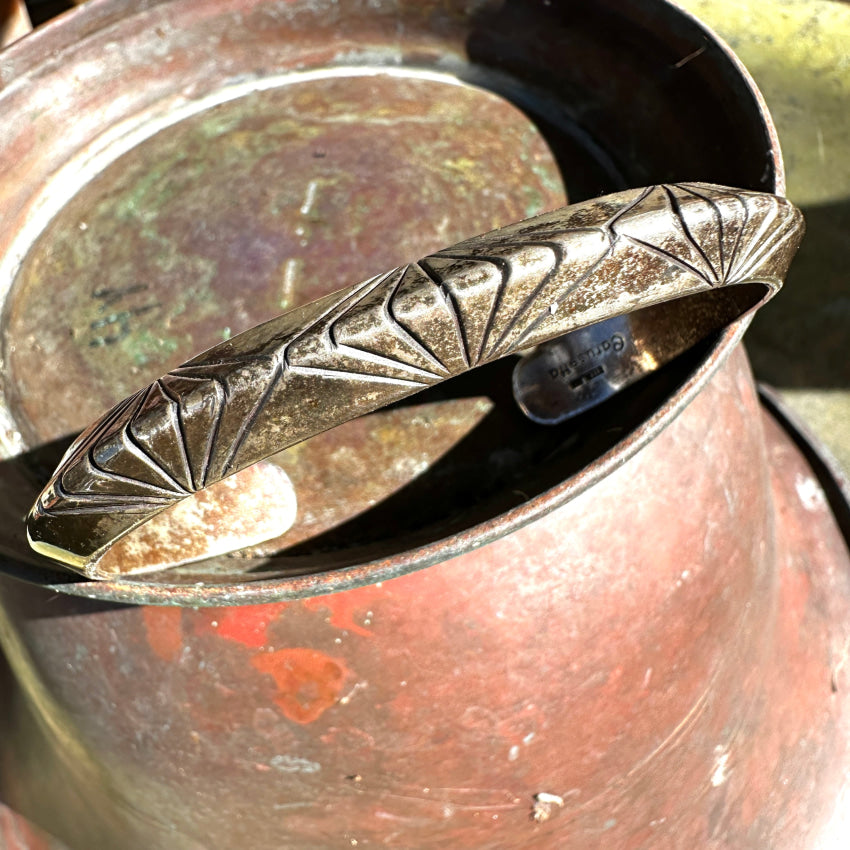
point(647, 651)
point(664, 652)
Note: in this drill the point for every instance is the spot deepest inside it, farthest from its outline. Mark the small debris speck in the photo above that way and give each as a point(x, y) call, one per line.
point(545, 805)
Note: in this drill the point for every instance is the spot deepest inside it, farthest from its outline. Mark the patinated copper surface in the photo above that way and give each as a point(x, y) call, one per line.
point(400, 332)
point(677, 679)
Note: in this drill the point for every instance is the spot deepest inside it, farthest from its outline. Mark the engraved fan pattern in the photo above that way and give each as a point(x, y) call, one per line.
point(395, 334)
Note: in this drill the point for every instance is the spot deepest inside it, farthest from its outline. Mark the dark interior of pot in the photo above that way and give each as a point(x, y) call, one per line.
point(246, 158)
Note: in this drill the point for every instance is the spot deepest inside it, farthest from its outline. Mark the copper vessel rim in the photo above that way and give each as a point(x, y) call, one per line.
point(319, 583)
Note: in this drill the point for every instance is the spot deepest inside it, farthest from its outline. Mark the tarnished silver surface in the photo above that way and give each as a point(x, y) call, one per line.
point(567, 376)
point(400, 332)
point(573, 373)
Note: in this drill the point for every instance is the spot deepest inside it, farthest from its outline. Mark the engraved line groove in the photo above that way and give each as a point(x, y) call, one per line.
point(718, 218)
point(667, 255)
point(249, 420)
point(452, 305)
point(560, 256)
point(415, 342)
point(176, 414)
point(679, 214)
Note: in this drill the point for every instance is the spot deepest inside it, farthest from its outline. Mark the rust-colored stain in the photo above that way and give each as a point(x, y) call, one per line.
point(349, 611)
point(308, 681)
point(164, 630)
point(245, 624)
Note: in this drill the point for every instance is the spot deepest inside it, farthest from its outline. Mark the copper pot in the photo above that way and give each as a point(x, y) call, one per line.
point(623, 633)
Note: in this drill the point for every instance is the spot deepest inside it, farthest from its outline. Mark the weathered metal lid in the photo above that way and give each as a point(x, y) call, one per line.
point(190, 169)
